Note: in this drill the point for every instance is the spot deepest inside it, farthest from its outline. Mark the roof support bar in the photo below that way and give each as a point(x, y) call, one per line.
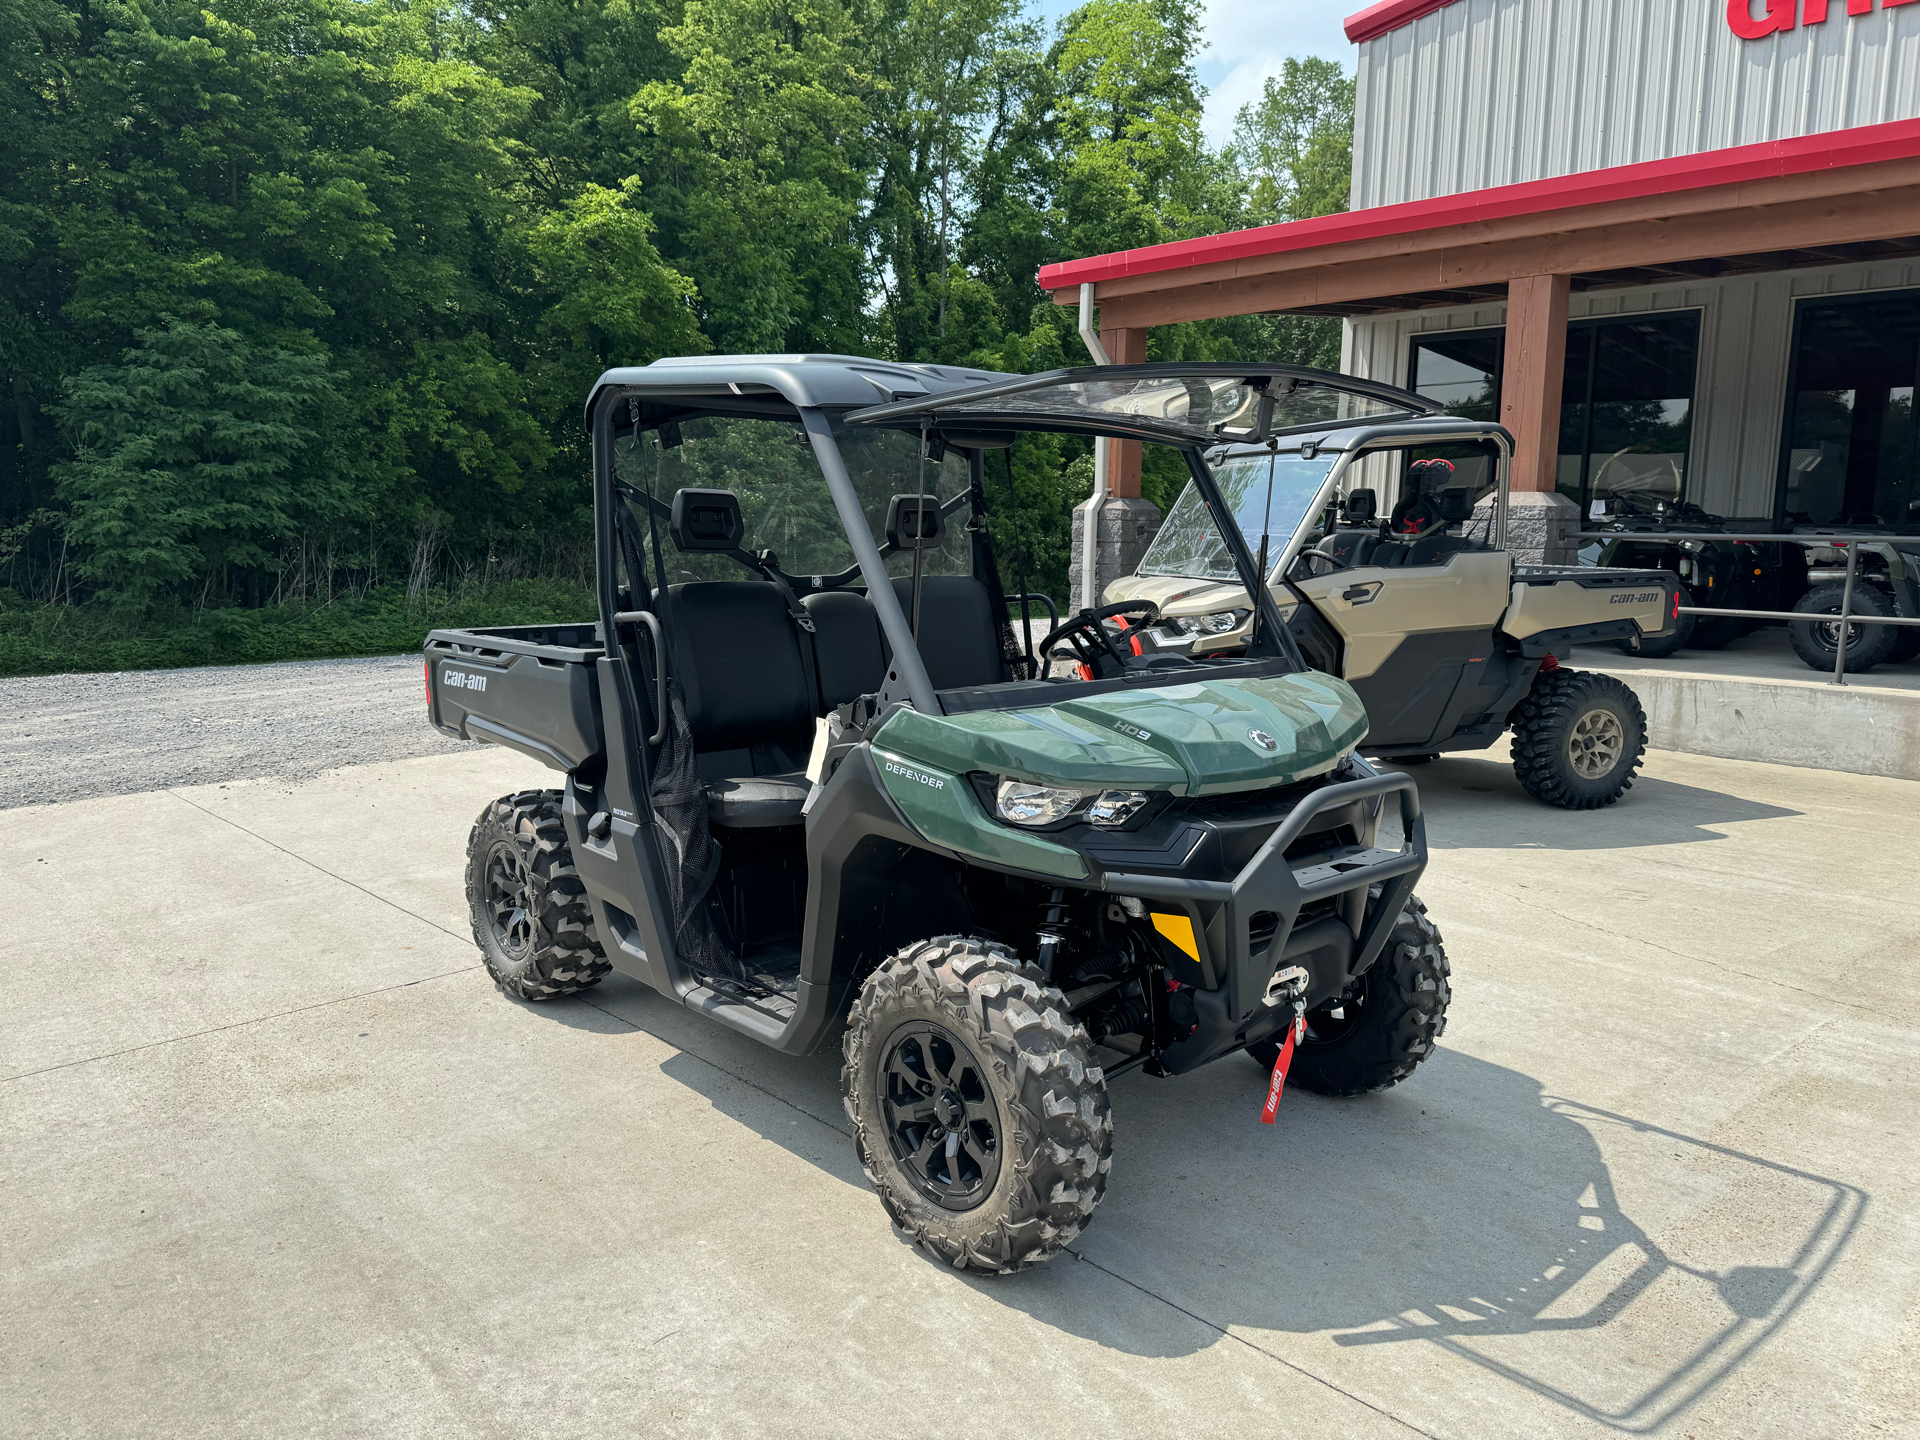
point(1091, 522)
point(906, 663)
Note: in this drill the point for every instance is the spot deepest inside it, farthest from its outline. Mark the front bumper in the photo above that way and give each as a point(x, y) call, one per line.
point(1249, 927)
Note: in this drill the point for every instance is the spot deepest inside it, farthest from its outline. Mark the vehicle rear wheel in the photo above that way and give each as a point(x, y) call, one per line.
point(1815, 640)
point(1656, 647)
point(530, 914)
point(1578, 739)
point(1374, 1037)
point(979, 1115)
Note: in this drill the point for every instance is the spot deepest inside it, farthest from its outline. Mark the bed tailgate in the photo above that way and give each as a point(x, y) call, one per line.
point(1551, 605)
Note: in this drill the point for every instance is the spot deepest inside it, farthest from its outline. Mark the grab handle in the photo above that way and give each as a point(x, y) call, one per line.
point(652, 622)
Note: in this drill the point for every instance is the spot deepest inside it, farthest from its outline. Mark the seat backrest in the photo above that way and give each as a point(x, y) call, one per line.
point(960, 636)
point(736, 653)
point(849, 659)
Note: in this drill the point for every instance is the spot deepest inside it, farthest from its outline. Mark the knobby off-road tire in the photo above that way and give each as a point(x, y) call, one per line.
point(955, 1038)
point(1578, 739)
point(529, 908)
point(1384, 1030)
point(1815, 640)
point(1658, 647)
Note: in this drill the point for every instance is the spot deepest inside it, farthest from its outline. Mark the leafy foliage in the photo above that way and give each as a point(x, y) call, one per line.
point(299, 299)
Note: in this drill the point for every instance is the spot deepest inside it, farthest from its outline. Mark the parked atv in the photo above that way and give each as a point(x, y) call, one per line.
point(1884, 584)
point(1445, 639)
point(813, 786)
point(1715, 574)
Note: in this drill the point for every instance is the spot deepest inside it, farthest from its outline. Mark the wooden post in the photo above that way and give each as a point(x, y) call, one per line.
point(1124, 347)
point(1531, 368)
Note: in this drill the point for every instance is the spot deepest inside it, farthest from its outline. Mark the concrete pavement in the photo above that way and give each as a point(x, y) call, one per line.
point(274, 1158)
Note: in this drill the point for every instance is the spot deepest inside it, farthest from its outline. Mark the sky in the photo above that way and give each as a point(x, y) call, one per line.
point(1248, 41)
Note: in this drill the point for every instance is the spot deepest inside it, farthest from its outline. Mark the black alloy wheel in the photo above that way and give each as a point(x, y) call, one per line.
point(529, 908)
point(510, 899)
point(941, 1121)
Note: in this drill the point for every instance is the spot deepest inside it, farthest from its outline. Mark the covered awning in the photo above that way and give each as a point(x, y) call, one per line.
point(1815, 200)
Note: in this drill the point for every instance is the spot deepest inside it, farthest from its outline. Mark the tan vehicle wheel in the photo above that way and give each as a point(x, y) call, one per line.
point(1578, 739)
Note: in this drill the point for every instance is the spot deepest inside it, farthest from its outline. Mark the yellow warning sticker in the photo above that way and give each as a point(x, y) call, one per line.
point(1179, 930)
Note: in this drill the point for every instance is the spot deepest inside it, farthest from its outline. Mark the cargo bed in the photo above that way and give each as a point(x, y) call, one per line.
point(533, 688)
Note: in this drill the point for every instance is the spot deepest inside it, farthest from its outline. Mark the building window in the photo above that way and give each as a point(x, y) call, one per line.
point(1460, 370)
point(1627, 411)
point(1850, 453)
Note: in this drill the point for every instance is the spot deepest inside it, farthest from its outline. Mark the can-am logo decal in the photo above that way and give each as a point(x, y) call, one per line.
point(1135, 731)
point(461, 680)
point(913, 775)
point(1645, 597)
point(1265, 741)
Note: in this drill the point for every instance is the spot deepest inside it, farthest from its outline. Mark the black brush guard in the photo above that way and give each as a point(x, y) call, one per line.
point(1245, 955)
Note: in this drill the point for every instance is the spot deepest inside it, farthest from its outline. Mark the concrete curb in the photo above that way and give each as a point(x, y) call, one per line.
point(1870, 732)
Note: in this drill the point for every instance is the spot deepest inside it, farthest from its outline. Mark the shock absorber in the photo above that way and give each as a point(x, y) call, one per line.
point(1052, 930)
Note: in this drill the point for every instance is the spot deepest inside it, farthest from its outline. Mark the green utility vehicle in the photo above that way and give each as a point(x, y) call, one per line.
point(1418, 605)
point(815, 788)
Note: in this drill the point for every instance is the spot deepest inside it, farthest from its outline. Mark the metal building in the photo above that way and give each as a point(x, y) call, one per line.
point(1669, 243)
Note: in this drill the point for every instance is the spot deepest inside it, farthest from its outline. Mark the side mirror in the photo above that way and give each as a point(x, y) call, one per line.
point(1456, 504)
point(1360, 506)
point(913, 521)
point(706, 520)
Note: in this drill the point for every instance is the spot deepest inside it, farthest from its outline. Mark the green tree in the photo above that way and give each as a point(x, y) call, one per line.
point(187, 457)
point(1296, 142)
point(755, 157)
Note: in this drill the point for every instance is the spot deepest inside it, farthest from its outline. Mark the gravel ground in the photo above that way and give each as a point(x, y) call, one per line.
point(65, 737)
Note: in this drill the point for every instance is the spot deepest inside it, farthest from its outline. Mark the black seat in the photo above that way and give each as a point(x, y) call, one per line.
point(849, 659)
point(736, 653)
point(960, 636)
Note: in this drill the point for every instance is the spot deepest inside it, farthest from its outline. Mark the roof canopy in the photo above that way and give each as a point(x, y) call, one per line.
point(711, 382)
point(1846, 187)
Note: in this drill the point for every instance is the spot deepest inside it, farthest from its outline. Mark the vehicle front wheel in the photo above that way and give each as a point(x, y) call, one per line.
point(1387, 1025)
point(1815, 640)
point(531, 919)
point(979, 1115)
point(1657, 647)
point(1578, 739)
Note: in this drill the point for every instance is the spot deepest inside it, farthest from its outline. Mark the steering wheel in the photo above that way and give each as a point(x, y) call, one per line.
point(1099, 652)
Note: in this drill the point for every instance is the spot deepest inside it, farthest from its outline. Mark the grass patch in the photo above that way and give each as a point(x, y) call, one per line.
point(53, 639)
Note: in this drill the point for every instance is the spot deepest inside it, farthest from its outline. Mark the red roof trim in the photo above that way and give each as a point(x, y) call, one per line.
point(1388, 15)
point(1836, 149)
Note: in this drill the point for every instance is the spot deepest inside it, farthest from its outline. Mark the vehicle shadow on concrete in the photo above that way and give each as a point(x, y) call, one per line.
point(1468, 1210)
point(1473, 802)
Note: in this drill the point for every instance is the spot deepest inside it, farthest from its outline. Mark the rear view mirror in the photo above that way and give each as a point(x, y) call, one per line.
point(1456, 503)
point(913, 521)
point(1360, 506)
point(706, 520)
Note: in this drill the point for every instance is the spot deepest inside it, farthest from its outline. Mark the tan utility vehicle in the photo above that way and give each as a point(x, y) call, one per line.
point(1422, 609)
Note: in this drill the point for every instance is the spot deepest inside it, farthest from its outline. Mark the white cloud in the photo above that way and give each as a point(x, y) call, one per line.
point(1247, 43)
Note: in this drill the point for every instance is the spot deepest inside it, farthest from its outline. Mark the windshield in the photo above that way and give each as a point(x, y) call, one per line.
point(1189, 545)
point(1183, 402)
point(785, 505)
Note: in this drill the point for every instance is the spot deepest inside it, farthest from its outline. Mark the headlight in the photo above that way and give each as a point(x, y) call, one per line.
point(1219, 623)
point(1028, 803)
point(1115, 808)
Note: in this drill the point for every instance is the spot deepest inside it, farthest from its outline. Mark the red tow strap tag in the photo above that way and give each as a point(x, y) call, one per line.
point(1281, 1063)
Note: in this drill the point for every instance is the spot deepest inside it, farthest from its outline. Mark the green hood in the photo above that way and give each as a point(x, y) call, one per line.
point(1193, 739)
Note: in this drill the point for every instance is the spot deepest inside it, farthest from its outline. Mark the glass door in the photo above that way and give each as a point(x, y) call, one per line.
point(1849, 451)
point(1627, 412)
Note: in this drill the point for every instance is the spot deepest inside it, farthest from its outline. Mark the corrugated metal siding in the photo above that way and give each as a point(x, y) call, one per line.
point(1747, 325)
point(1496, 92)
